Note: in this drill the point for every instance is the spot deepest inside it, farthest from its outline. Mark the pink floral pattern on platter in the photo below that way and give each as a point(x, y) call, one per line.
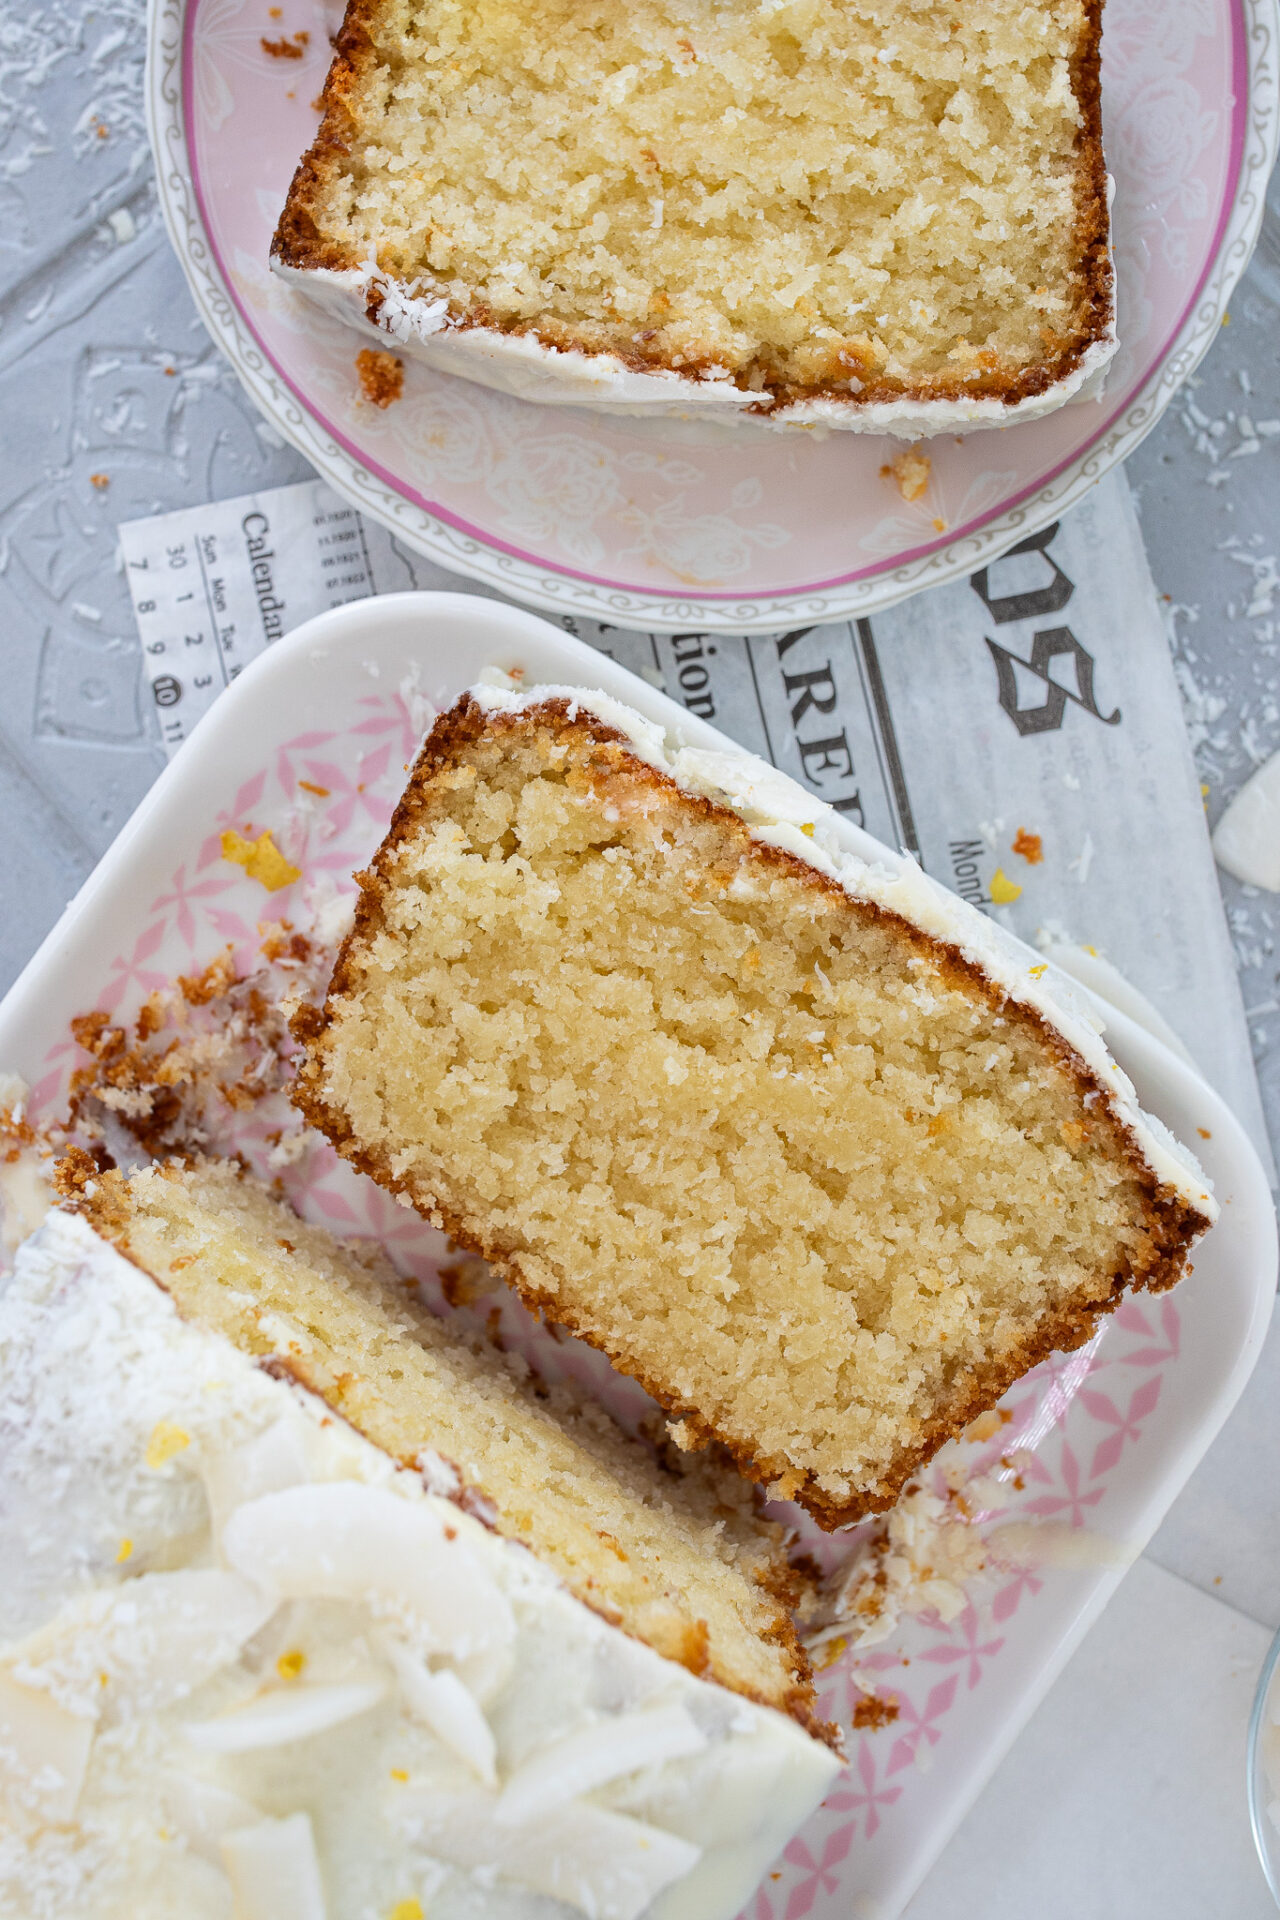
point(1071, 1422)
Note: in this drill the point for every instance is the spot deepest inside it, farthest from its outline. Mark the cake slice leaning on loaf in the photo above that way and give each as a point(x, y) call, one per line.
point(799, 1139)
point(304, 1594)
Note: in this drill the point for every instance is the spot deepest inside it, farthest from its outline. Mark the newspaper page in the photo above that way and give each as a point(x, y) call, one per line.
point(1020, 731)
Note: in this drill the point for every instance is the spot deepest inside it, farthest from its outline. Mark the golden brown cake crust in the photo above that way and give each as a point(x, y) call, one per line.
point(301, 243)
point(1170, 1224)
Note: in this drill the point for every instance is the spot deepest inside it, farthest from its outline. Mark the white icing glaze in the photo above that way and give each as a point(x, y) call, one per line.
point(551, 376)
point(780, 813)
point(203, 1662)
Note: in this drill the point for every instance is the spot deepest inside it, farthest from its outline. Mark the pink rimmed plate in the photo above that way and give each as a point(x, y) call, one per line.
point(1109, 1433)
point(655, 524)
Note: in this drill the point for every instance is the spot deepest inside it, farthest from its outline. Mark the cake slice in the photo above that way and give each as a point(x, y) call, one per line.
point(311, 1611)
point(874, 214)
point(799, 1139)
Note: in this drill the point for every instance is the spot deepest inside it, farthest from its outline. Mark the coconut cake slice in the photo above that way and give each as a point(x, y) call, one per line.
point(265, 1647)
point(800, 1140)
point(880, 215)
point(684, 1562)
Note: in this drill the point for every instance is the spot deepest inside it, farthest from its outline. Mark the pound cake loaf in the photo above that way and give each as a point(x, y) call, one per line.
point(875, 214)
point(265, 1650)
point(799, 1139)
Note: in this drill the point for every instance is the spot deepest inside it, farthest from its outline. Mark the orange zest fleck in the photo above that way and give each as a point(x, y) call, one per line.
point(165, 1441)
point(261, 859)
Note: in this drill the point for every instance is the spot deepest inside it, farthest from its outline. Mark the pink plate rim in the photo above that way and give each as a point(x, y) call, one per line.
point(436, 530)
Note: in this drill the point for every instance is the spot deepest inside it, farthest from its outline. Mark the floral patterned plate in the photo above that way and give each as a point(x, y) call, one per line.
point(657, 524)
point(311, 743)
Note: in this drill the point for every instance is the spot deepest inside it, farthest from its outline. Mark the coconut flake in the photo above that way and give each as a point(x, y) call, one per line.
point(920, 1559)
point(44, 1751)
point(348, 1541)
point(274, 1871)
point(278, 1458)
point(284, 1714)
point(705, 1804)
point(331, 911)
point(137, 1648)
point(1246, 841)
point(204, 1814)
point(444, 1703)
point(605, 1864)
point(595, 1755)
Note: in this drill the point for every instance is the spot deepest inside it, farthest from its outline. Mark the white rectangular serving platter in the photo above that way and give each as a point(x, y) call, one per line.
point(1114, 1430)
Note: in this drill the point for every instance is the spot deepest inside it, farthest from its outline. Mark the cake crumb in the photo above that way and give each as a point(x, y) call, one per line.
point(909, 471)
point(100, 480)
point(1029, 845)
point(286, 49)
point(987, 1425)
point(381, 376)
point(465, 1280)
point(872, 1712)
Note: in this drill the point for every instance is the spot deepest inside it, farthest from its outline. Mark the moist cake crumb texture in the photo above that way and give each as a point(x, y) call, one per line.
point(861, 197)
point(800, 1170)
point(681, 1561)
